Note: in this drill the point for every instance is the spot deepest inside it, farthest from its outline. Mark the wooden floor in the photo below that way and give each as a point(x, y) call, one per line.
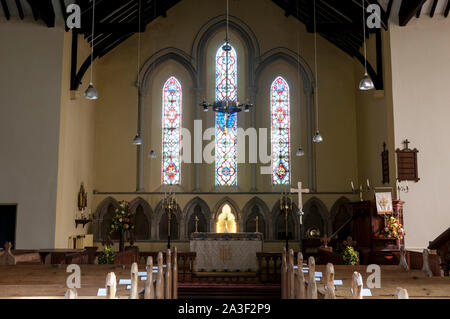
point(47, 281)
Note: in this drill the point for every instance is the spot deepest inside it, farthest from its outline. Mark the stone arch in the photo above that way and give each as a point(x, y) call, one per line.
point(218, 209)
point(157, 218)
point(308, 82)
point(189, 211)
point(147, 69)
point(140, 206)
point(161, 57)
point(247, 211)
point(279, 225)
point(340, 213)
point(101, 217)
point(236, 25)
point(316, 214)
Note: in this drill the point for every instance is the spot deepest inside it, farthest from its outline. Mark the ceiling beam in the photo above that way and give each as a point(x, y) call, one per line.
point(20, 9)
point(6, 9)
point(43, 9)
point(419, 12)
point(408, 9)
point(433, 8)
point(447, 9)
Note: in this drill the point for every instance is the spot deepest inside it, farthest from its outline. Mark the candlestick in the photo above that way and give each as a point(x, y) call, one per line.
point(353, 187)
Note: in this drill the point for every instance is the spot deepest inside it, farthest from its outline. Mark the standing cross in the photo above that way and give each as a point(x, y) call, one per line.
point(300, 192)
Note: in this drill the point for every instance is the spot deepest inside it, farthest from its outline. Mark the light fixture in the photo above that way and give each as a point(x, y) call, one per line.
point(153, 154)
point(225, 106)
point(91, 93)
point(137, 140)
point(366, 82)
point(300, 152)
point(317, 138)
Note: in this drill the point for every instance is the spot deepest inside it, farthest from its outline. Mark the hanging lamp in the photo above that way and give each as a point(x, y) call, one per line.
point(317, 137)
point(366, 82)
point(225, 106)
point(91, 93)
point(138, 139)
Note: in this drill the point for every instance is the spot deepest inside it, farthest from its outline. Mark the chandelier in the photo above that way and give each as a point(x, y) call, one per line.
point(226, 106)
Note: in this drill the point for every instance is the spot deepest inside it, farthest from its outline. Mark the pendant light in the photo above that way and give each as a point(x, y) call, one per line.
point(317, 137)
point(91, 93)
point(300, 152)
point(152, 154)
point(366, 82)
point(138, 139)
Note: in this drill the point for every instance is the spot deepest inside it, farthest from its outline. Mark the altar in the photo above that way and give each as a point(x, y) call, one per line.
point(222, 252)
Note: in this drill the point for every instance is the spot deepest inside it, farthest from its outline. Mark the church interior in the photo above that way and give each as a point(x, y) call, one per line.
point(155, 144)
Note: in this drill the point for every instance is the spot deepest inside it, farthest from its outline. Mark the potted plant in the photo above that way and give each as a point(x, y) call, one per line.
point(106, 257)
point(350, 256)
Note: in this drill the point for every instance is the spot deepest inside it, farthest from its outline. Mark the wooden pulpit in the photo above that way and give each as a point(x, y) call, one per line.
point(366, 223)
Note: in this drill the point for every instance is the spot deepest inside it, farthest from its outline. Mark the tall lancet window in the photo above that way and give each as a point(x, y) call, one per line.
point(171, 132)
point(281, 152)
point(226, 126)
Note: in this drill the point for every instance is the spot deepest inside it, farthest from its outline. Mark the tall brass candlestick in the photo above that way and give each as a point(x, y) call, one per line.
point(196, 223)
point(257, 223)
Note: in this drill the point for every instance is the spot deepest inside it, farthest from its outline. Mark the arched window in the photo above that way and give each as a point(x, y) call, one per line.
point(171, 135)
point(226, 126)
point(280, 118)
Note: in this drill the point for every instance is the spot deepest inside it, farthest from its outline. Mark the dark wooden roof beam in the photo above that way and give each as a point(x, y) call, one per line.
point(433, 8)
point(43, 9)
point(408, 9)
point(447, 9)
point(419, 12)
point(20, 9)
point(6, 9)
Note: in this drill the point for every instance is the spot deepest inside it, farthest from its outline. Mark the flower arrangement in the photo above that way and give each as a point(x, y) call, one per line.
point(393, 229)
point(106, 257)
point(350, 256)
point(123, 220)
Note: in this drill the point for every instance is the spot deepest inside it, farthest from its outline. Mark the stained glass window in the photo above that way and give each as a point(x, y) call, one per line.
point(171, 133)
point(281, 153)
point(226, 126)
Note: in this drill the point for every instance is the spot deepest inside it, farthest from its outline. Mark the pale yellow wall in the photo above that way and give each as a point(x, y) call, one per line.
point(374, 120)
point(76, 147)
point(116, 112)
point(420, 69)
point(30, 89)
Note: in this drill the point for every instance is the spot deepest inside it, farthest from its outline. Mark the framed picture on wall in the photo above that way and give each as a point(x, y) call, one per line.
point(384, 202)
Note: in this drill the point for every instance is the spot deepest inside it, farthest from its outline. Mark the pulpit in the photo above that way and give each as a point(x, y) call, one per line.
point(223, 252)
point(366, 223)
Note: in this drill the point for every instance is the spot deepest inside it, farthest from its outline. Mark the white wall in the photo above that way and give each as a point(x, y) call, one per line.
point(420, 75)
point(30, 88)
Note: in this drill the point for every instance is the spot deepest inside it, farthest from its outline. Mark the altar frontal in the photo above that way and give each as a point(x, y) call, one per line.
point(218, 252)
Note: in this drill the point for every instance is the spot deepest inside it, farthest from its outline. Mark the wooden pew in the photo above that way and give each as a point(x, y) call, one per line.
point(127, 257)
point(7, 257)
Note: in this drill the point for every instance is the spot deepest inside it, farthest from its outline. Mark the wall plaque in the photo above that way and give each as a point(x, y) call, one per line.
point(407, 164)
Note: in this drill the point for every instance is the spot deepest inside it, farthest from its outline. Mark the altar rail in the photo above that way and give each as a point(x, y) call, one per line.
point(186, 262)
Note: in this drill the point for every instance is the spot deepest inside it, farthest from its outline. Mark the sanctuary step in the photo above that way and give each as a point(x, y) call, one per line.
point(210, 290)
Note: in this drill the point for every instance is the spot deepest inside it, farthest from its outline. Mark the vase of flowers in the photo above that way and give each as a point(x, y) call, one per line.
point(393, 229)
point(122, 222)
point(350, 256)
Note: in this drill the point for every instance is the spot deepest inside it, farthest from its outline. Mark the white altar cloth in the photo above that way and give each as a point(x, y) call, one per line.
point(226, 252)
